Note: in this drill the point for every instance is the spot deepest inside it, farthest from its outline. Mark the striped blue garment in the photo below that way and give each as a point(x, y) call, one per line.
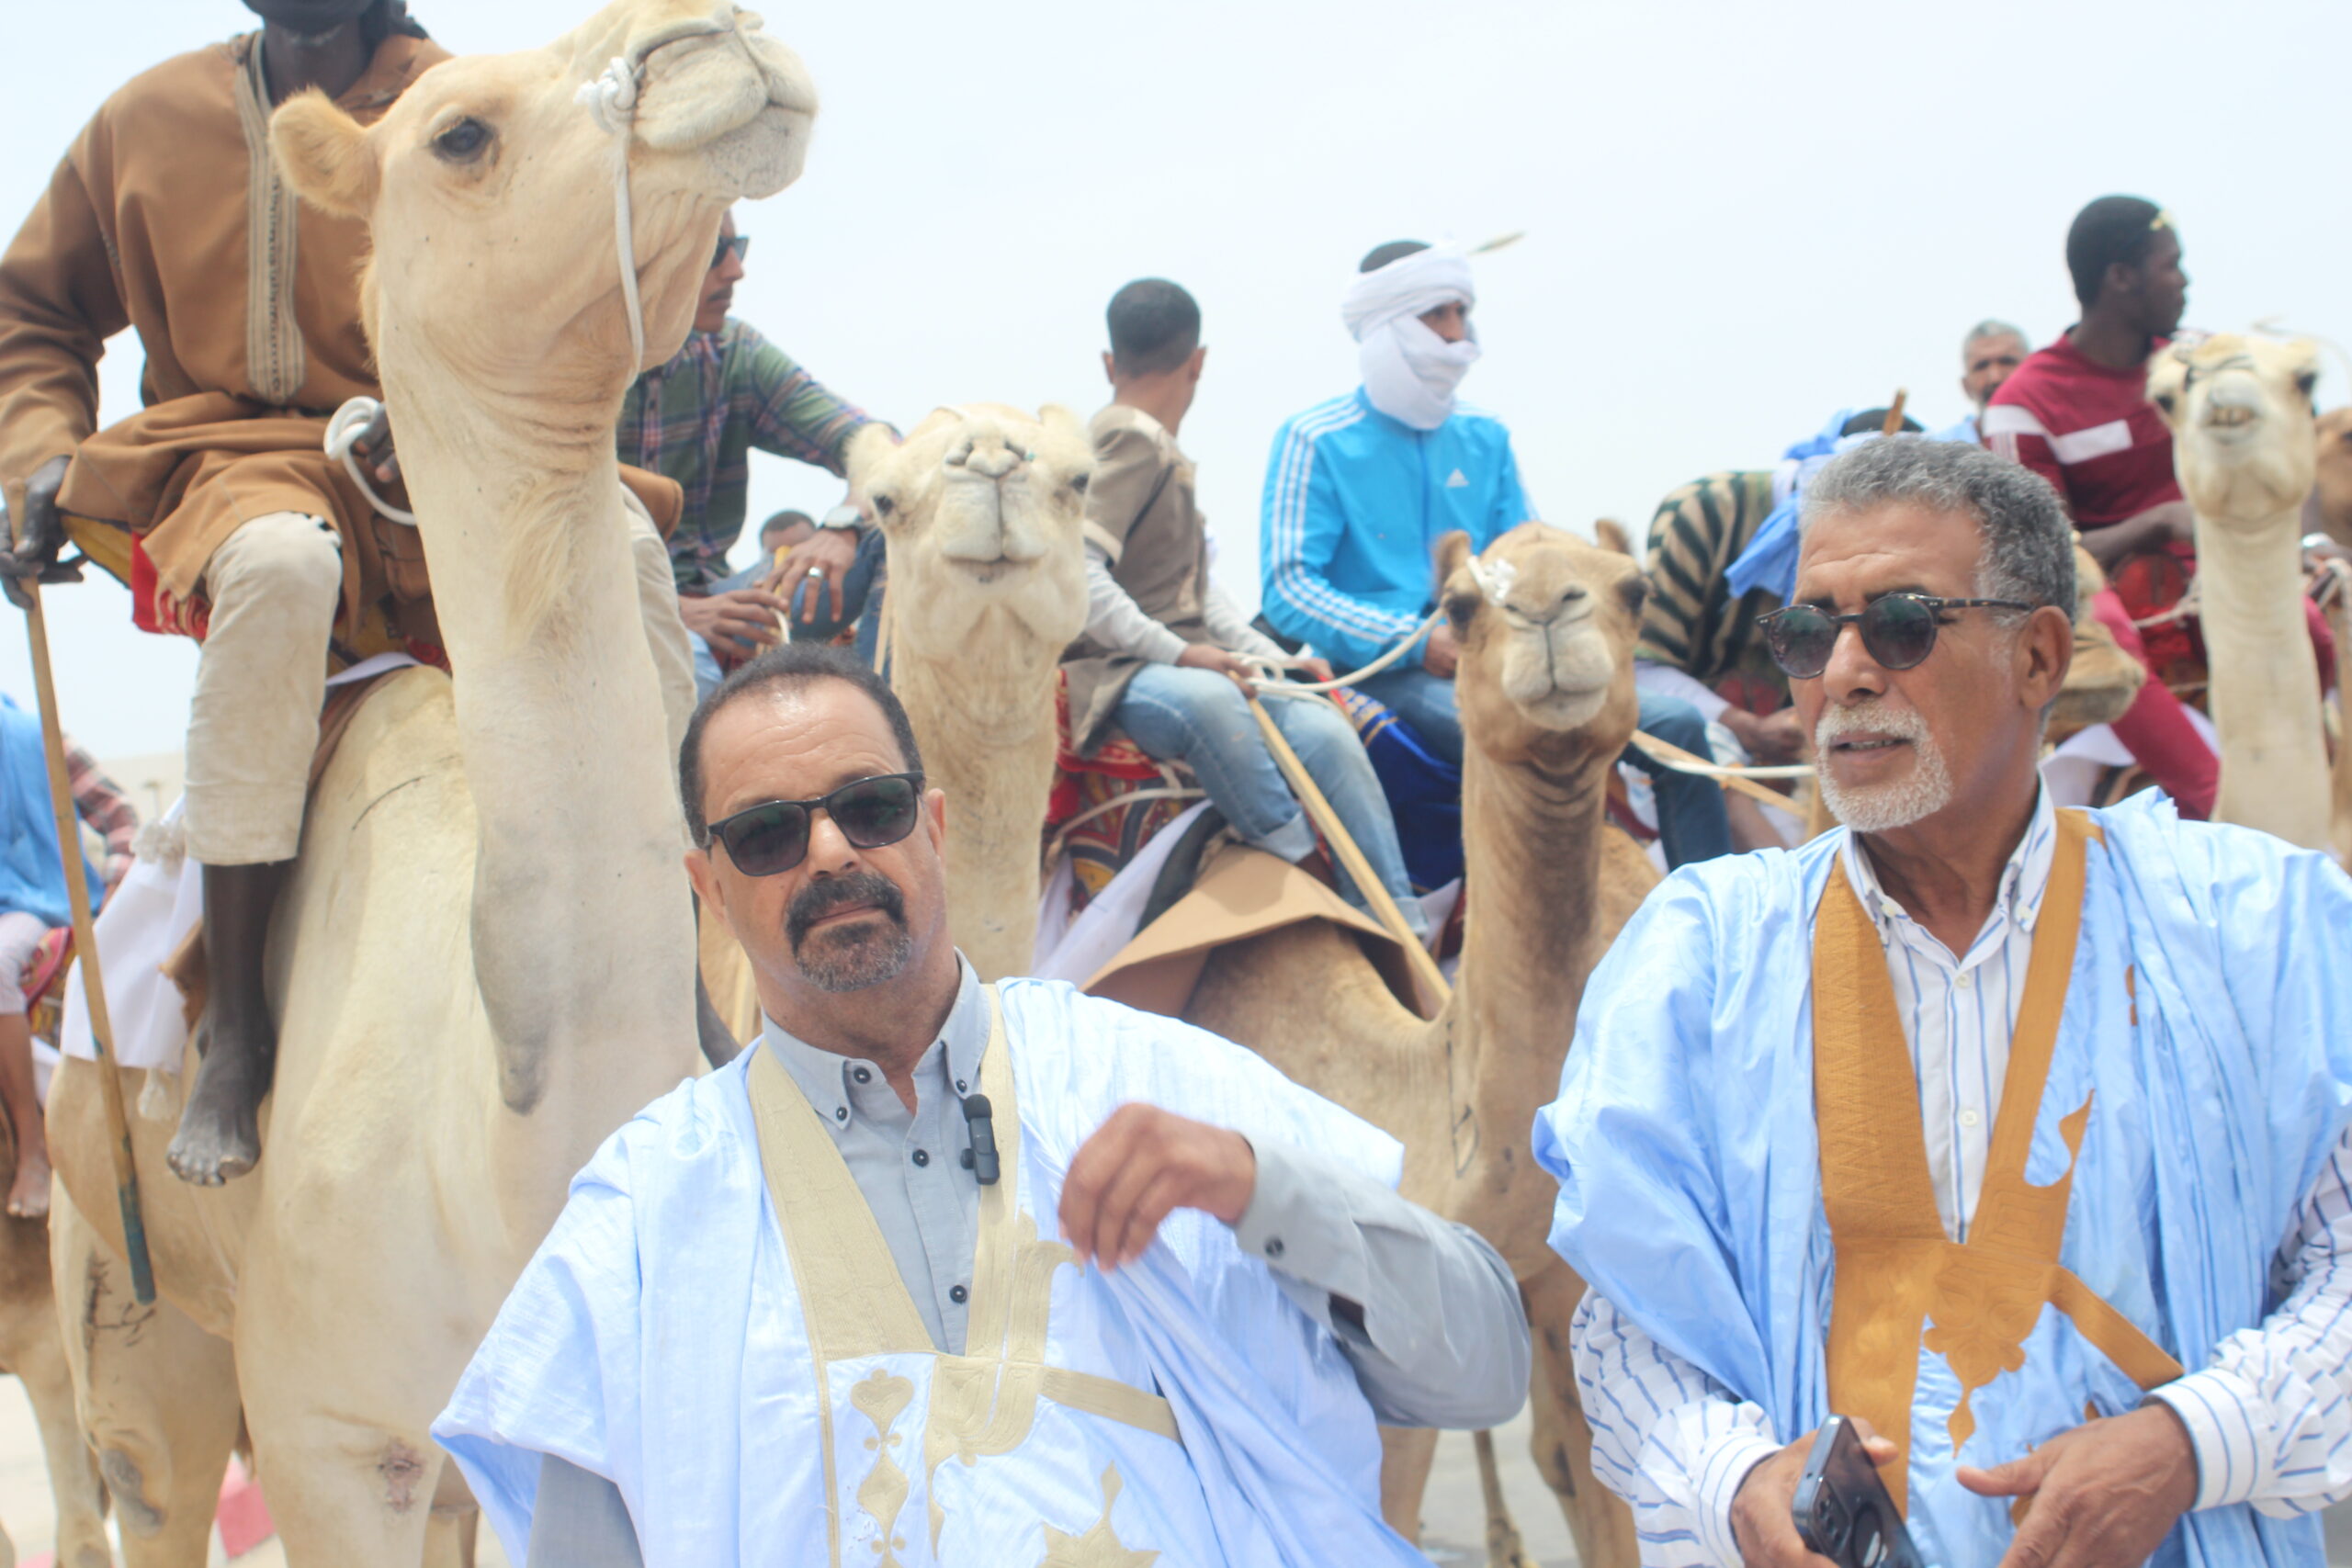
point(1355, 504)
point(2270, 1417)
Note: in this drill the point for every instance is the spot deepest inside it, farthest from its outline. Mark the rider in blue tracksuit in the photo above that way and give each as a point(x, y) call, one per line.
point(1357, 498)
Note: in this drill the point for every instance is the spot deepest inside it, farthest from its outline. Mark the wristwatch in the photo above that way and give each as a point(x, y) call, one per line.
point(848, 519)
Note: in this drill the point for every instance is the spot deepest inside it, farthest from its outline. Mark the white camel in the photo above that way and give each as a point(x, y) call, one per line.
point(983, 509)
point(483, 963)
point(2244, 443)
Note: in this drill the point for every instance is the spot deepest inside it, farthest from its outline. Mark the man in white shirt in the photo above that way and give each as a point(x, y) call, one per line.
point(2016, 1134)
point(1165, 653)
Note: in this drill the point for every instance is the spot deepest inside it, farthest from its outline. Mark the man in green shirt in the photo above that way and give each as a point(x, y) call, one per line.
point(696, 420)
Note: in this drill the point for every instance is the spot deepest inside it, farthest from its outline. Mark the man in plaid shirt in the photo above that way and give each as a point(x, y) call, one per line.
point(696, 419)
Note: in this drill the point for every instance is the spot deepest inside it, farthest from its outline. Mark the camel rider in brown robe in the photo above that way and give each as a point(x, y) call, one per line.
point(217, 501)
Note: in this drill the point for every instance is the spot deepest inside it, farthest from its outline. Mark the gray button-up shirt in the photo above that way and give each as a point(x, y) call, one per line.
point(1426, 1312)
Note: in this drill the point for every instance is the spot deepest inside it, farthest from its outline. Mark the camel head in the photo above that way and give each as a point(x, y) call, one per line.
point(2240, 410)
point(984, 509)
point(490, 191)
point(1547, 625)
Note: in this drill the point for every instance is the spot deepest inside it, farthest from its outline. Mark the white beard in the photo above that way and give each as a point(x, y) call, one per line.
point(1898, 803)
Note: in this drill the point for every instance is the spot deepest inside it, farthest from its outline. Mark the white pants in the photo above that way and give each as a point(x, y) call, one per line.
point(274, 586)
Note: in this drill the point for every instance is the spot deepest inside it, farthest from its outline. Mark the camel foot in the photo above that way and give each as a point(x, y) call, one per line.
point(28, 1195)
point(219, 1135)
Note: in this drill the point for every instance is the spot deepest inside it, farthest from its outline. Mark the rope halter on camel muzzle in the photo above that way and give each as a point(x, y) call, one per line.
point(611, 101)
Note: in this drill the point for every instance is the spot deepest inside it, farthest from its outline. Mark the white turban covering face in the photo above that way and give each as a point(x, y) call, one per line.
point(1409, 372)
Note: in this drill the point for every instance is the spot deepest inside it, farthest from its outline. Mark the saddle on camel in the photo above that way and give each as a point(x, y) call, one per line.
point(218, 503)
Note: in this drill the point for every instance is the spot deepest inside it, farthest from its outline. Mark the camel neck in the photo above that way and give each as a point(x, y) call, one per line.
point(988, 739)
point(581, 926)
point(1533, 849)
point(2264, 688)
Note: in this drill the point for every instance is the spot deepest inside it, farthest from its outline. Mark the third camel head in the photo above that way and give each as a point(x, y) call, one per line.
point(1547, 625)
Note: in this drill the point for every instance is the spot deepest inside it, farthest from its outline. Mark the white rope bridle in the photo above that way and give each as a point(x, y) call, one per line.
point(611, 102)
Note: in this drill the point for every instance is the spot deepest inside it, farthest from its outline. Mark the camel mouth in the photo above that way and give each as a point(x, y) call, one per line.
point(2228, 416)
point(996, 568)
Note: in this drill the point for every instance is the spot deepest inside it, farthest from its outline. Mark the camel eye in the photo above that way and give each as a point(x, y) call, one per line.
point(2307, 382)
point(1635, 593)
point(2163, 400)
point(463, 141)
point(884, 505)
point(1078, 482)
point(1460, 608)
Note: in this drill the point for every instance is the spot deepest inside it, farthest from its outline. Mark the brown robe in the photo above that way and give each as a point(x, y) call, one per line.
point(1141, 509)
point(168, 216)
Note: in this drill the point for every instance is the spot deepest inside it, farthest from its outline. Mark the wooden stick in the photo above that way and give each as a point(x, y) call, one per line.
point(1374, 891)
point(1667, 752)
point(85, 947)
point(1895, 412)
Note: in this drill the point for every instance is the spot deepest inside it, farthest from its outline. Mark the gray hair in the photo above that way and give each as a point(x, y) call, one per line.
point(1993, 326)
point(2029, 543)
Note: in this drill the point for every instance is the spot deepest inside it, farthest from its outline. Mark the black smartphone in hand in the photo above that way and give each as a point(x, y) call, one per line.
point(1843, 1510)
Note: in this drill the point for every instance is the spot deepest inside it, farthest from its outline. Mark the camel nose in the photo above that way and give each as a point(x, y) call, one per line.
point(1564, 604)
point(994, 461)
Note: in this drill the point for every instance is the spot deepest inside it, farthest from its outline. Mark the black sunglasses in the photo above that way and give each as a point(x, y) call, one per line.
point(1899, 630)
point(772, 837)
point(741, 245)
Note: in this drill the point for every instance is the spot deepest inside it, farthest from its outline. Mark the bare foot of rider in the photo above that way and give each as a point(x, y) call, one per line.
point(219, 1135)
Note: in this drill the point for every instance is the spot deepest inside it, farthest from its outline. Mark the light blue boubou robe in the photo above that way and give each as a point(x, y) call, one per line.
point(1684, 1141)
point(658, 1340)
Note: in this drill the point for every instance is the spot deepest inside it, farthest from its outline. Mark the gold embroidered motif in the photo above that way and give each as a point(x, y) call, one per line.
point(984, 1404)
point(881, 1399)
point(1901, 1281)
point(1099, 1547)
point(855, 1306)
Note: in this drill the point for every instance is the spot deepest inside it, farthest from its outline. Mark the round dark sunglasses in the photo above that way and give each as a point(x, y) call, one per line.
point(1899, 630)
point(741, 245)
point(772, 837)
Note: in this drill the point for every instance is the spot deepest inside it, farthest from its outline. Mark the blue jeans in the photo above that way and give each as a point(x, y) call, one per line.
point(1201, 718)
point(860, 591)
point(1690, 819)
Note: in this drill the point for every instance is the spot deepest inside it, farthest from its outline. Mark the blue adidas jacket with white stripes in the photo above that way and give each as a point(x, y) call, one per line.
point(1355, 503)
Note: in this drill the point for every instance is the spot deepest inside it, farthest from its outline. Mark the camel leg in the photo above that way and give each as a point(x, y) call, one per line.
point(39, 1364)
point(1405, 1455)
point(157, 1394)
point(348, 1494)
point(1597, 1519)
point(1504, 1549)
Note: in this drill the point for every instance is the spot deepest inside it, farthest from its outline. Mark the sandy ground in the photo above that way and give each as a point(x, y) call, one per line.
point(1455, 1519)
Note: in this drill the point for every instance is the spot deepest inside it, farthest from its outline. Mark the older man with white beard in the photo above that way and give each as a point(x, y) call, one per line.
point(2015, 1136)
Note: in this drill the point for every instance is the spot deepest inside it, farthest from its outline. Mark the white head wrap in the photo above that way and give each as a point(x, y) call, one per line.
point(1409, 372)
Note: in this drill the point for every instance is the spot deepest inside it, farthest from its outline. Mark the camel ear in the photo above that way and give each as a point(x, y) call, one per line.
point(870, 447)
point(324, 155)
point(2167, 378)
point(1454, 552)
point(1610, 535)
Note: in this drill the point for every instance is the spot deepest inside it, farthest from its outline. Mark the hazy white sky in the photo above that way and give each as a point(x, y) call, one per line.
point(1740, 216)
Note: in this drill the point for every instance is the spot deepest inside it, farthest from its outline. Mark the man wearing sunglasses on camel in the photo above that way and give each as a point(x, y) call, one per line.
point(942, 1272)
point(2015, 1135)
point(696, 419)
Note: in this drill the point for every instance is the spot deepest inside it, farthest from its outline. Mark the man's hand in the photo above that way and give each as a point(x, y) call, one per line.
point(1140, 1166)
point(40, 535)
point(373, 447)
point(1440, 653)
point(1314, 671)
point(821, 561)
point(727, 621)
point(1208, 656)
point(1770, 737)
point(2106, 1494)
point(2172, 521)
point(1763, 1512)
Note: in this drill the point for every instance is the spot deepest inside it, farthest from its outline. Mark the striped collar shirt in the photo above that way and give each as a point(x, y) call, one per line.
point(1959, 1012)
